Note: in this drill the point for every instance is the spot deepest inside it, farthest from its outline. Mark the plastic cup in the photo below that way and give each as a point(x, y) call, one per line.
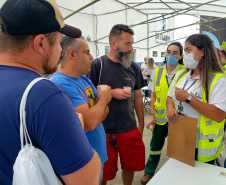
point(103, 87)
point(127, 88)
point(151, 127)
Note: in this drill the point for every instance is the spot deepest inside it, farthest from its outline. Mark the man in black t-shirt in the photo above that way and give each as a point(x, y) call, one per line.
point(123, 135)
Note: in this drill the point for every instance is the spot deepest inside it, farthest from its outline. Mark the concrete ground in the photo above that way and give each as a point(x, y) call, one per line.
point(146, 138)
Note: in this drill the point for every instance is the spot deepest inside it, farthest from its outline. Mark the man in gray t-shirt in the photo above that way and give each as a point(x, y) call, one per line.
point(123, 135)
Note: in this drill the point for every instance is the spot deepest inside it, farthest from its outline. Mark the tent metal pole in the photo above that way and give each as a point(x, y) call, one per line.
point(93, 2)
point(171, 14)
point(180, 28)
point(178, 12)
point(147, 37)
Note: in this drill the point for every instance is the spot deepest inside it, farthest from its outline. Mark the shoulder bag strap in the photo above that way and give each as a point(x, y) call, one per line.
point(100, 70)
point(23, 127)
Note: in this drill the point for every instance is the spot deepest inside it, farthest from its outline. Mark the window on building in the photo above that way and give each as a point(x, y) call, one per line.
point(107, 50)
point(163, 54)
point(155, 53)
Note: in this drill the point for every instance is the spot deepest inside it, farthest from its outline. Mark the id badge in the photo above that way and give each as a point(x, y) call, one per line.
point(180, 108)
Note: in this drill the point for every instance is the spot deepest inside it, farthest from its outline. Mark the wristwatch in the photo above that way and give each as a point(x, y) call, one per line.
point(188, 100)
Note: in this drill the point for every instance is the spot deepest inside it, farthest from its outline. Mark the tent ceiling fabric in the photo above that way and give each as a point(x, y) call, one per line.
point(216, 8)
point(170, 8)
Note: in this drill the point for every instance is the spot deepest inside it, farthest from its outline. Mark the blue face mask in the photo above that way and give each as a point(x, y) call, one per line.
point(171, 60)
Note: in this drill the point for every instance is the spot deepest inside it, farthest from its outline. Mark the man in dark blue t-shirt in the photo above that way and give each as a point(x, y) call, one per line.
point(30, 46)
point(92, 104)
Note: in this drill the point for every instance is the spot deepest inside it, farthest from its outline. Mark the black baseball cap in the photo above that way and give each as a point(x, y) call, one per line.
point(32, 17)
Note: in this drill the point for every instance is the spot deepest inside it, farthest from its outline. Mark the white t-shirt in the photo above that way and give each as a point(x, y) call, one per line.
point(217, 96)
point(148, 71)
point(151, 84)
point(144, 66)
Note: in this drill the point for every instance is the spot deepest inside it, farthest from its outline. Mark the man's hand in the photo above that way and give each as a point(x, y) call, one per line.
point(94, 115)
point(181, 94)
point(120, 94)
point(141, 129)
point(104, 95)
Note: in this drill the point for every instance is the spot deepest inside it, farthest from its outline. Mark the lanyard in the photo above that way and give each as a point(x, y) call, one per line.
point(180, 107)
point(190, 85)
point(171, 80)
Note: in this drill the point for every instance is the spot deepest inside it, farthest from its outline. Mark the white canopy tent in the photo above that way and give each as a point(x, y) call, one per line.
point(96, 17)
point(173, 8)
point(215, 8)
point(141, 15)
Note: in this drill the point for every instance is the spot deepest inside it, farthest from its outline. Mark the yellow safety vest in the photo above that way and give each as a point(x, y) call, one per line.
point(224, 67)
point(211, 133)
point(161, 91)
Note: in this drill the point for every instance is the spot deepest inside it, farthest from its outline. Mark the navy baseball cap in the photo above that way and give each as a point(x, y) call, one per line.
point(32, 17)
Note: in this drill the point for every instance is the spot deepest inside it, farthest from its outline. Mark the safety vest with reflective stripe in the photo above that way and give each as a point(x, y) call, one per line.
point(211, 133)
point(161, 91)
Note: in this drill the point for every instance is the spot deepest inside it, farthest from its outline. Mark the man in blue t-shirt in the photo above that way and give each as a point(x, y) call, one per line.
point(75, 63)
point(27, 50)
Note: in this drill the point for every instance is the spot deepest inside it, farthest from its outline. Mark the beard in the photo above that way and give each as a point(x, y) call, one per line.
point(48, 70)
point(52, 70)
point(124, 58)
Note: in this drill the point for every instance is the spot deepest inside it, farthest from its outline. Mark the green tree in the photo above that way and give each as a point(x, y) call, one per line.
point(223, 46)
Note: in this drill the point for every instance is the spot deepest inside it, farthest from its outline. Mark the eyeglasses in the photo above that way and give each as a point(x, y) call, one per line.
point(172, 53)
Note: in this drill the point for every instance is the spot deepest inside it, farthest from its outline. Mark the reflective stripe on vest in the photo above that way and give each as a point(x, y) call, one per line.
point(211, 133)
point(210, 152)
point(160, 120)
point(161, 89)
point(160, 111)
point(180, 76)
point(211, 136)
point(159, 76)
point(155, 152)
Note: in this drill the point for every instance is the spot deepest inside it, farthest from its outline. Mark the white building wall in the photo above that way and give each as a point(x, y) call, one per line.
point(156, 44)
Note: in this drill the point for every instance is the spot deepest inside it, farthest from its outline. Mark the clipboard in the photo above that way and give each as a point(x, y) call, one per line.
point(182, 139)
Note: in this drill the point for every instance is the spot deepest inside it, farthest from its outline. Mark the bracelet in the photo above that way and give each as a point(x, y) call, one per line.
point(152, 114)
